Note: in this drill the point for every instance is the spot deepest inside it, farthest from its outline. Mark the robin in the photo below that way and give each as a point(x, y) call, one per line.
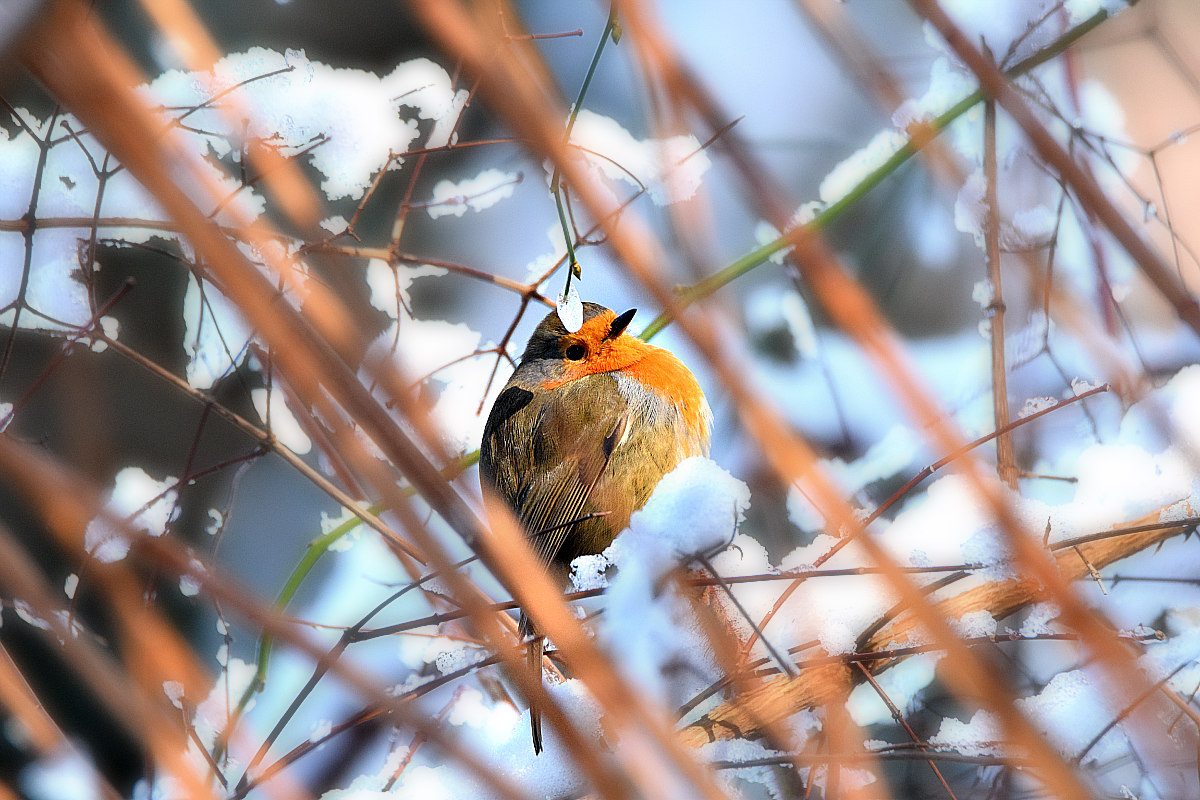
point(580, 436)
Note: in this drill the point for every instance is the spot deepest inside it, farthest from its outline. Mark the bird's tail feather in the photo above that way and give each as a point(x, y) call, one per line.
point(536, 648)
point(535, 651)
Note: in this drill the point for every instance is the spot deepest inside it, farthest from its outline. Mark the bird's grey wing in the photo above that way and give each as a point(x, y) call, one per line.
point(503, 430)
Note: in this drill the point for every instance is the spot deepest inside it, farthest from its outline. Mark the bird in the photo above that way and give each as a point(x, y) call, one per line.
point(578, 438)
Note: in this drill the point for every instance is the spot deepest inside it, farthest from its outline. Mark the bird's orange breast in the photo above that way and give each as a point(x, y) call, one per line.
point(652, 367)
point(661, 372)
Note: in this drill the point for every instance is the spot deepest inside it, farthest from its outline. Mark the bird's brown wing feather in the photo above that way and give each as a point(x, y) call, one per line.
point(545, 453)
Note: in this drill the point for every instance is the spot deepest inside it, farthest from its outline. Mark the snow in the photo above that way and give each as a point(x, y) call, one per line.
point(347, 520)
point(25, 612)
point(320, 730)
point(743, 750)
point(987, 548)
point(694, 510)
point(799, 321)
point(283, 424)
point(388, 284)
point(570, 309)
point(1033, 405)
point(671, 169)
point(765, 233)
point(191, 581)
point(440, 350)
point(144, 503)
point(66, 772)
point(902, 685)
point(1080, 386)
point(1142, 424)
point(1079, 10)
point(54, 288)
point(1037, 623)
point(947, 86)
point(1070, 711)
point(212, 713)
point(536, 268)
point(450, 656)
point(975, 625)
point(174, 692)
point(215, 334)
point(501, 738)
point(422, 346)
point(352, 114)
point(475, 194)
point(978, 737)
point(589, 572)
point(970, 210)
point(831, 611)
point(852, 171)
point(1034, 226)
point(17, 155)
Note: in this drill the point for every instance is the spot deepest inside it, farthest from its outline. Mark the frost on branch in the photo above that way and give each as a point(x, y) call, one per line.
point(138, 501)
point(351, 119)
point(346, 124)
point(671, 169)
point(476, 194)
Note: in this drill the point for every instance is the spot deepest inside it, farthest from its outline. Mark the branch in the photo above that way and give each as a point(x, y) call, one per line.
point(1080, 181)
point(780, 697)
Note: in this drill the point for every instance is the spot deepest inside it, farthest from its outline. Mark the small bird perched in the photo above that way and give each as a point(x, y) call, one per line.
point(580, 436)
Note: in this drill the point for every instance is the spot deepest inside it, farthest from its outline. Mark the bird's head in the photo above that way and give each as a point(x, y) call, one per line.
point(600, 345)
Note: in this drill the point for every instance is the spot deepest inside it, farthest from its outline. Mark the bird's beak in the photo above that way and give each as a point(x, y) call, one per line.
point(620, 323)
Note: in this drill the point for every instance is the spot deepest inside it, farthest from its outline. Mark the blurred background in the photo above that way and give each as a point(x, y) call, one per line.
point(808, 83)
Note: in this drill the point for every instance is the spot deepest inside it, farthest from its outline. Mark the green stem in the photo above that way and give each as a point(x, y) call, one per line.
point(572, 262)
point(834, 210)
point(612, 30)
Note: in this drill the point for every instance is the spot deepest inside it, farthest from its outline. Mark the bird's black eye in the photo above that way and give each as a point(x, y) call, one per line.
point(576, 352)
